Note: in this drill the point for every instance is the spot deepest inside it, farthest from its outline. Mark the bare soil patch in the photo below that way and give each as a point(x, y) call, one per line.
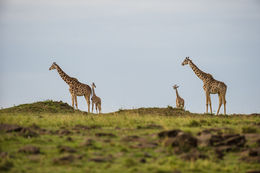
point(29, 150)
point(68, 149)
point(10, 128)
point(105, 134)
point(88, 142)
point(67, 159)
point(150, 126)
point(84, 127)
point(251, 155)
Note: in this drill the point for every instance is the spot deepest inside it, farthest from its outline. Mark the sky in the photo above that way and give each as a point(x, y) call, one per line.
point(132, 50)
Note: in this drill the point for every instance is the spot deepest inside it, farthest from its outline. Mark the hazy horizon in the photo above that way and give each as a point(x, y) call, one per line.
point(132, 50)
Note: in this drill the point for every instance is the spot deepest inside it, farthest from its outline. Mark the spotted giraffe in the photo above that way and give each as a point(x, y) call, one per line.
point(95, 100)
point(179, 100)
point(76, 88)
point(210, 86)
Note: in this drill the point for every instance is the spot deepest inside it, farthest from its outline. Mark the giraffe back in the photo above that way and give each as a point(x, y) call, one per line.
point(215, 87)
point(81, 89)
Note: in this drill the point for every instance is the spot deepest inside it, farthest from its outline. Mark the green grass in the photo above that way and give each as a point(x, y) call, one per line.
point(117, 154)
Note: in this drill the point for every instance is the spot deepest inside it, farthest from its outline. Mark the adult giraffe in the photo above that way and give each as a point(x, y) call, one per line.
point(210, 86)
point(75, 87)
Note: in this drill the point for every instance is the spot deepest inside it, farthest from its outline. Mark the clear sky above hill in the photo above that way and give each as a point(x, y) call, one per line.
point(132, 50)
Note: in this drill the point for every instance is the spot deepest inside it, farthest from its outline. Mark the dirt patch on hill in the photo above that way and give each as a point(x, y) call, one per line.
point(10, 128)
point(29, 150)
point(67, 159)
point(88, 142)
point(23, 131)
point(251, 155)
point(100, 159)
point(105, 134)
point(132, 138)
point(67, 149)
point(150, 126)
point(84, 127)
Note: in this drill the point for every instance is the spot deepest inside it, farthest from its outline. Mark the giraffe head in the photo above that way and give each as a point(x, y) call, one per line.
point(186, 61)
point(175, 87)
point(53, 66)
point(93, 85)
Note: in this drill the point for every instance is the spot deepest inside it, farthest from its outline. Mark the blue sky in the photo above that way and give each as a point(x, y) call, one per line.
point(132, 50)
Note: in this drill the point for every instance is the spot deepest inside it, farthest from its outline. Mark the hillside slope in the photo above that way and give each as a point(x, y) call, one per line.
point(48, 106)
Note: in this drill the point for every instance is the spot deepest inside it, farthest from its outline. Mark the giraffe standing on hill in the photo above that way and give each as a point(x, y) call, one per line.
point(75, 87)
point(210, 86)
point(95, 100)
point(179, 100)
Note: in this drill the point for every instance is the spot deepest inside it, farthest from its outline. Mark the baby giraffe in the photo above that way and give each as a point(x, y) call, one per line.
point(95, 100)
point(179, 100)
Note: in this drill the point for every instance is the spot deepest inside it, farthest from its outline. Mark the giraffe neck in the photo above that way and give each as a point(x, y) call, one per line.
point(93, 90)
point(202, 75)
point(177, 94)
point(64, 76)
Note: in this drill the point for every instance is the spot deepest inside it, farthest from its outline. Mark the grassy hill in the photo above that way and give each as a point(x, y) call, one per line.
point(48, 106)
point(50, 137)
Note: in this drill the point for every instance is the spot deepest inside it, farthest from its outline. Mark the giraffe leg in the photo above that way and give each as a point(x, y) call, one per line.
point(87, 97)
point(92, 106)
point(220, 103)
point(209, 99)
point(88, 100)
point(72, 99)
point(96, 108)
point(224, 101)
point(75, 97)
point(99, 107)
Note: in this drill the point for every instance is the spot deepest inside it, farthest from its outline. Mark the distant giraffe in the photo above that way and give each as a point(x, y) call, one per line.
point(179, 100)
point(210, 86)
point(95, 100)
point(75, 87)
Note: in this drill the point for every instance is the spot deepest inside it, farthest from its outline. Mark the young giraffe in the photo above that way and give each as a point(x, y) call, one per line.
point(75, 87)
point(95, 100)
point(210, 86)
point(179, 100)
